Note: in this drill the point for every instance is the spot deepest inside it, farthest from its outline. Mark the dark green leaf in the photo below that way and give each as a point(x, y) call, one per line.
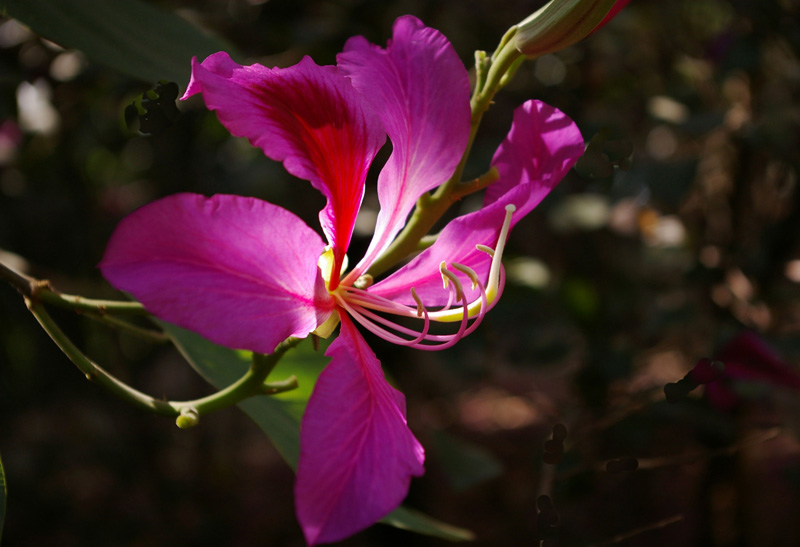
point(464, 464)
point(127, 35)
point(279, 415)
point(409, 519)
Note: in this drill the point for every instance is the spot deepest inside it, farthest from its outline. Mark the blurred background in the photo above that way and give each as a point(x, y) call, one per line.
point(678, 232)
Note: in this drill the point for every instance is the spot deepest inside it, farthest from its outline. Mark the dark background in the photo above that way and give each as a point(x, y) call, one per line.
point(618, 283)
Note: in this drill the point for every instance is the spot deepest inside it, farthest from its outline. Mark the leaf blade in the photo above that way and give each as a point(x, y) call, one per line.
point(126, 35)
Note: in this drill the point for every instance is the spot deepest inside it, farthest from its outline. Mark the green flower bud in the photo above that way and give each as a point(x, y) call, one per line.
point(189, 417)
point(559, 24)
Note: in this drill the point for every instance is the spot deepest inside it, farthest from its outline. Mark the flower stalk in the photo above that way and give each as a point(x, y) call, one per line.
point(38, 292)
point(492, 74)
point(252, 383)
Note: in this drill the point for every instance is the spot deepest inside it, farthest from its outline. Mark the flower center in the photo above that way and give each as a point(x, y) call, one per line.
point(374, 312)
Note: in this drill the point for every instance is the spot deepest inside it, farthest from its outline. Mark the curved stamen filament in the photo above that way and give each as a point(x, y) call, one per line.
point(493, 288)
point(372, 322)
point(371, 310)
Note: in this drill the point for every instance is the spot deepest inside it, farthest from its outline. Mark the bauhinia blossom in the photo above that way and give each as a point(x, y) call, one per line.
point(248, 274)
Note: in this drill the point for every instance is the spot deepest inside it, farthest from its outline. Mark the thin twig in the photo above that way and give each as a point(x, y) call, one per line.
point(683, 459)
point(41, 290)
point(249, 385)
point(150, 335)
point(633, 533)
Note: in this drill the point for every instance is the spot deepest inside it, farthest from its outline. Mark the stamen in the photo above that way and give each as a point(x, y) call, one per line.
point(469, 273)
point(364, 281)
point(420, 306)
point(453, 278)
point(496, 277)
point(368, 320)
point(486, 249)
point(362, 305)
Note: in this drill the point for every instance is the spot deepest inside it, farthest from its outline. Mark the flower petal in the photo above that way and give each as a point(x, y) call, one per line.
point(420, 89)
point(612, 13)
point(357, 455)
point(748, 358)
point(240, 271)
point(541, 147)
point(310, 118)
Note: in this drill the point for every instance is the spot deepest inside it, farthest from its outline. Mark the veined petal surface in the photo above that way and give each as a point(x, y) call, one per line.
point(307, 116)
point(240, 271)
point(541, 147)
point(419, 88)
point(357, 455)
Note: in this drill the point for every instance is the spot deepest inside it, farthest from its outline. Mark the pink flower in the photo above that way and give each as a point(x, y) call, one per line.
point(248, 274)
point(749, 359)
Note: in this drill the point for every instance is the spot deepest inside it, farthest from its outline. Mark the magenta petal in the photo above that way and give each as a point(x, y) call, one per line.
point(357, 455)
point(541, 147)
point(543, 144)
point(240, 271)
point(309, 117)
point(612, 13)
point(420, 89)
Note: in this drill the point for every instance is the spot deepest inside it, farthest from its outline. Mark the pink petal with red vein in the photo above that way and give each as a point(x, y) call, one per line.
point(357, 455)
point(240, 271)
point(420, 89)
point(309, 117)
point(541, 147)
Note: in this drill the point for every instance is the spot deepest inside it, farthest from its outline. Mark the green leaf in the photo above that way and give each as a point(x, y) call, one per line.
point(127, 35)
point(279, 415)
point(414, 521)
point(3, 494)
point(464, 464)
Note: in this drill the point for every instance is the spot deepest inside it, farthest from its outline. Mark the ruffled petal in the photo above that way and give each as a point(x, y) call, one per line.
point(240, 271)
point(541, 147)
point(309, 117)
point(420, 89)
point(357, 455)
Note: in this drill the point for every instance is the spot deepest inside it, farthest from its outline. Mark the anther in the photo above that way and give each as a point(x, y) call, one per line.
point(469, 272)
point(364, 281)
point(418, 300)
point(486, 249)
point(453, 278)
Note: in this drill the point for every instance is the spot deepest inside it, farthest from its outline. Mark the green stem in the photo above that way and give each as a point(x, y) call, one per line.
point(151, 335)
point(427, 212)
point(492, 75)
point(41, 291)
point(251, 384)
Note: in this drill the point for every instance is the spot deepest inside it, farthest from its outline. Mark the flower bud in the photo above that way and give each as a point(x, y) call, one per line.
point(561, 23)
point(189, 417)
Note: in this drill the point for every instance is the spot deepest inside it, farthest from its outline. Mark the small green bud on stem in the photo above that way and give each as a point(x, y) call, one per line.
point(189, 417)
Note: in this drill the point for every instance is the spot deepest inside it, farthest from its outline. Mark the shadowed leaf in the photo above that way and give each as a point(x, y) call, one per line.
point(127, 35)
